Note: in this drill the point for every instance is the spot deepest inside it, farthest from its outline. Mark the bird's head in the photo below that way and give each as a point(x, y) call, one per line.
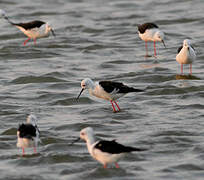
point(2, 13)
point(86, 133)
point(32, 119)
point(186, 43)
point(159, 36)
point(49, 29)
point(85, 84)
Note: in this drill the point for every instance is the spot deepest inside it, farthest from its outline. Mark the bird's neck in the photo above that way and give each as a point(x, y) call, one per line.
point(92, 86)
point(90, 140)
point(89, 144)
point(47, 31)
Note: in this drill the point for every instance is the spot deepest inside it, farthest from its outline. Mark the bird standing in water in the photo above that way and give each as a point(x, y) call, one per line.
point(28, 134)
point(106, 152)
point(107, 90)
point(33, 30)
point(151, 32)
point(186, 55)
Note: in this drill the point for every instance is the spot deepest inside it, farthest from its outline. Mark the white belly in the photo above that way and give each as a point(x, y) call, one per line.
point(100, 93)
point(185, 57)
point(106, 158)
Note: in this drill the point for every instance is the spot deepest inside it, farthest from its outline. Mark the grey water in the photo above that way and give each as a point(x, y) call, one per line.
point(98, 39)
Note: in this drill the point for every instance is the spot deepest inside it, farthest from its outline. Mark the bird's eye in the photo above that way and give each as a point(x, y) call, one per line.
point(82, 134)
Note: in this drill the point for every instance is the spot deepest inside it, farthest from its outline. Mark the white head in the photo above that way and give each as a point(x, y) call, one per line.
point(86, 84)
point(87, 134)
point(32, 119)
point(159, 36)
point(49, 29)
point(2, 13)
point(186, 43)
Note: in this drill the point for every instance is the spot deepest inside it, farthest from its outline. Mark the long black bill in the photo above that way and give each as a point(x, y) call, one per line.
point(74, 141)
point(163, 43)
point(53, 33)
point(80, 93)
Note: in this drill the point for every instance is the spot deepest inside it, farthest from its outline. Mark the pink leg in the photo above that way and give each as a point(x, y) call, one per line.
point(34, 41)
point(146, 47)
point(23, 152)
point(26, 41)
point(191, 69)
point(117, 105)
point(113, 106)
point(105, 166)
point(35, 151)
point(116, 165)
point(155, 52)
point(181, 68)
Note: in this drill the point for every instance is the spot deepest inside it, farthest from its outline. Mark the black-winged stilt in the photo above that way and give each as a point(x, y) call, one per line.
point(33, 30)
point(186, 55)
point(106, 152)
point(28, 134)
point(151, 32)
point(107, 90)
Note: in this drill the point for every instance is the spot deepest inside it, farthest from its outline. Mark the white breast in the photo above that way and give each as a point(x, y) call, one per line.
point(186, 56)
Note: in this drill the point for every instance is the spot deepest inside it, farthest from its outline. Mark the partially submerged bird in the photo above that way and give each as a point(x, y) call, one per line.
point(107, 90)
point(186, 55)
point(106, 152)
point(33, 30)
point(151, 32)
point(28, 134)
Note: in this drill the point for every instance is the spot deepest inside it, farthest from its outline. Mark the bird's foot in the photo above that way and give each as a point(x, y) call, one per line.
point(147, 55)
point(116, 111)
point(23, 152)
point(26, 41)
point(116, 165)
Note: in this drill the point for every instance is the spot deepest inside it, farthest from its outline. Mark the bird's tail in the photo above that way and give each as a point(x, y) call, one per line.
point(5, 17)
point(3, 14)
point(32, 119)
point(130, 149)
point(136, 90)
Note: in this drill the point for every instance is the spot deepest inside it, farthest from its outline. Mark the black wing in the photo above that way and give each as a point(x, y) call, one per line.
point(30, 25)
point(179, 49)
point(27, 131)
point(110, 86)
point(143, 27)
point(114, 148)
